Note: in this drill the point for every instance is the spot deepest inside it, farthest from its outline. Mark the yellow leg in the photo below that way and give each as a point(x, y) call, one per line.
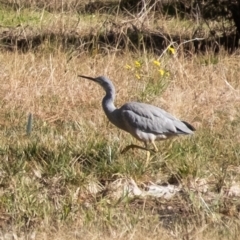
point(148, 158)
point(131, 146)
point(149, 153)
point(155, 147)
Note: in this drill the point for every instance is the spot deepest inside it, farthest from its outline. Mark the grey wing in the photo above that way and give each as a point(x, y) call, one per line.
point(151, 119)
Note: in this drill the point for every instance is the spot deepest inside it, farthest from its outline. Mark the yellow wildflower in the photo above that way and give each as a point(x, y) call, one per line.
point(137, 64)
point(128, 67)
point(171, 50)
point(161, 71)
point(156, 62)
point(137, 76)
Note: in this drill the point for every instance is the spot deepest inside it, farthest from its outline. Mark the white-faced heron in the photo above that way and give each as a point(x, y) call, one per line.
point(145, 122)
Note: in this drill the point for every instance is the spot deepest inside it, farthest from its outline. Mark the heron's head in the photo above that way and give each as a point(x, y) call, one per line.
point(103, 81)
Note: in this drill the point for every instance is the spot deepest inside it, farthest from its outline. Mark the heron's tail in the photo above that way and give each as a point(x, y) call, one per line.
point(189, 126)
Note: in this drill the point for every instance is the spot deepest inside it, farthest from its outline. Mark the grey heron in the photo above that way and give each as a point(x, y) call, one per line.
point(145, 122)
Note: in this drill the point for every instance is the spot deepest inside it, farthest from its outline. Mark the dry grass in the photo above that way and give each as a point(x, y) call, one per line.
point(48, 83)
point(54, 183)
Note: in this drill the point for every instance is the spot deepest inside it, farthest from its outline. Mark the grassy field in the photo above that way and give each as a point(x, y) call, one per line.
point(67, 179)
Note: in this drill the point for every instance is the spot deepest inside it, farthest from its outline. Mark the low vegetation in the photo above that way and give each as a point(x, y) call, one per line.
point(64, 177)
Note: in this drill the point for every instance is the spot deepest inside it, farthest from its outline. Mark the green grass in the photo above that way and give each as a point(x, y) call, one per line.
point(13, 18)
point(41, 173)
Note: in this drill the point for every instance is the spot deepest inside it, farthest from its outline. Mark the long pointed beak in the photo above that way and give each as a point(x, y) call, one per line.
point(90, 78)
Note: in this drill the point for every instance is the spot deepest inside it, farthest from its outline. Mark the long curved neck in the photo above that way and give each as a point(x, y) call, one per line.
point(108, 102)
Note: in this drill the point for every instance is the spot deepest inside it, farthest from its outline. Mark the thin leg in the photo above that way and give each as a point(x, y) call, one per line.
point(155, 147)
point(148, 158)
point(131, 146)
